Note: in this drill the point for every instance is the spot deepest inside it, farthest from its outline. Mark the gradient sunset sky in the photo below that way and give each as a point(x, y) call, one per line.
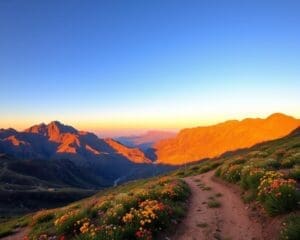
point(116, 65)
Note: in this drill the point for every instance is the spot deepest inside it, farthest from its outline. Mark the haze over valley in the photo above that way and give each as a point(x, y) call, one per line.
point(149, 120)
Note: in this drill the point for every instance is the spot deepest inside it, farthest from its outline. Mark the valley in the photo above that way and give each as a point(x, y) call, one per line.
point(250, 193)
point(149, 120)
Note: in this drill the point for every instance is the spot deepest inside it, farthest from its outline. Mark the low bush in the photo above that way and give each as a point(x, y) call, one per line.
point(239, 161)
point(249, 196)
point(250, 177)
point(278, 195)
point(272, 164)
point(233, 174)
point(288, 162)
point(291, 228)
point(42, 216)
point(213, 204)
point(295, 172)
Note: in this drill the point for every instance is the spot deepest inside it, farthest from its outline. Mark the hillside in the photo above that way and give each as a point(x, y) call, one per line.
point(29, 185)
point(54, 173)
point(143, 209)
point(211, 141)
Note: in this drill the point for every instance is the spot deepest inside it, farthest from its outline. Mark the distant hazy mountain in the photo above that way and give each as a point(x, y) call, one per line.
point(146, 140)
point(202, 142)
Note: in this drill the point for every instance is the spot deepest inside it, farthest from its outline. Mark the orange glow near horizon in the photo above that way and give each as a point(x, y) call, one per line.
point(128, 125)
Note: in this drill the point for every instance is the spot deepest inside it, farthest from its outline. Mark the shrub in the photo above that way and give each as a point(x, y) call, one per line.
point(277, 195)
point(239, 161)
point(65, 223)
point(272, 163)
point(290, 161)
point(218, 172)
point(279, 153)
point(195, 168)
point(233, 174)
point(249, 196)
point(42, 216)
point(295, 172)
point(291, 228)
point(250, 177)
point(180, 173)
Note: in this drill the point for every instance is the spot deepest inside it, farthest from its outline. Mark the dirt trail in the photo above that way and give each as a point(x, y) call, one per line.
point(230, 221)
point(19, 234)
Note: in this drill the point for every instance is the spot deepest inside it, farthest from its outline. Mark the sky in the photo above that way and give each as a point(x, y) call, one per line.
point(125, 66)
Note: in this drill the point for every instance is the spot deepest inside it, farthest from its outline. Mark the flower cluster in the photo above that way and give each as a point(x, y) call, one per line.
point(232, 173)
point(270, 185)
point(143, 234)
point(84, 226)
point(128, 217)
point(145, 213)
point(137, 213)
point(42, 216)
point(148, 210)
point(65, 217)
point(250, 177)
point(278, 195)
point(256, 171)
point(169, 190)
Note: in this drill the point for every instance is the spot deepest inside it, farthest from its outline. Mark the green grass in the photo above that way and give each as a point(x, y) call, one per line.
point(249, 196)
point(241, 167)
point(218, 195)
point(7, 227)
point(121, 211)
point(202, 225)
point(213, 204)
point(206, 188)
point(291, 228)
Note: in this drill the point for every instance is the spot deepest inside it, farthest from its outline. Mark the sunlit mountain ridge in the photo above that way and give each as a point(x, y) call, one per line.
point(210, 141)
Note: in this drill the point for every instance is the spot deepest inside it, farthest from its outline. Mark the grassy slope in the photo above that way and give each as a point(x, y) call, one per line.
point(29, 185)
point(281, 155)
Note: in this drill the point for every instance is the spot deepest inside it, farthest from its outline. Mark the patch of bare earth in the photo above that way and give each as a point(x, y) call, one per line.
point(232, 220)
point(19, 234)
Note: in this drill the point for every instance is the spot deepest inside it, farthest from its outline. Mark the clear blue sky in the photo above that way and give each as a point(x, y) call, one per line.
point(147, 64)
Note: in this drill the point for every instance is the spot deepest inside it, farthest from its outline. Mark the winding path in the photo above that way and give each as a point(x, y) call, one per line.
point(19, 234)
point(230, 221)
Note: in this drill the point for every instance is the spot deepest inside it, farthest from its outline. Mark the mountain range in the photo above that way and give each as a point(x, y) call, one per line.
point(106, 159)
point(113, 158)
point(62, 163)
point(56, 140)
point(211, 141)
